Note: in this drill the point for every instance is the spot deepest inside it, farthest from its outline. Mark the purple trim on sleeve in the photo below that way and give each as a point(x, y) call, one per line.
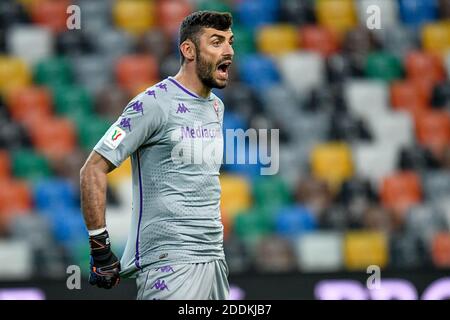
point(175, 82)
point(137, 263)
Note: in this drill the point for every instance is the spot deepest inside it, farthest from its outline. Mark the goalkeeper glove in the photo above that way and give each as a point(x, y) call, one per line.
point(104, 265)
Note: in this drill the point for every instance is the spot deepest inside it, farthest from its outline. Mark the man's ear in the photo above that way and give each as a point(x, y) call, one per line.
point(187, 48)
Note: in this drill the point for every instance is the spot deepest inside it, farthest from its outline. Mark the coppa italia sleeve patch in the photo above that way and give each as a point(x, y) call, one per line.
point(115, 137)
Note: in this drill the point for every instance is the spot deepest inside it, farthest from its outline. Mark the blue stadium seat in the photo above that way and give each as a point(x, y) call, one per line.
point(294, 221)
point(254, 13)
point(416, 12)
point(52, 193)
point(258, 71)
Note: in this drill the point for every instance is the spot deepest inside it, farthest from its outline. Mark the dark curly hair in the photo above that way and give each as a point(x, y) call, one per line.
point(193, 24)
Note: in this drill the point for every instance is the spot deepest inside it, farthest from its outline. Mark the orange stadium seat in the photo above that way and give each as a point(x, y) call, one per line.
point(400, 191)
point(277, 39)
point(441, 250)
point(433, 130)
point(171, 13)
point(364, 248)
point(424, 65)
point(30, 102)
point(14, 73)
point(406, 96)
point(436, 37)
point(134, 16)
point(339, 15)
point(15, 197)
point(54, 137)
point(136, 71)
point(5, 165)
point(319, 39)
point(51, 13)
point(332, 162)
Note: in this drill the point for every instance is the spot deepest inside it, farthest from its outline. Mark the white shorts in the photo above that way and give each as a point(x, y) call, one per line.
point(196, 281)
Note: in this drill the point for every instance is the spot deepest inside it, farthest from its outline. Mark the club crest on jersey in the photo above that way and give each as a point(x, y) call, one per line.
point(115, 137)
point(216, 107)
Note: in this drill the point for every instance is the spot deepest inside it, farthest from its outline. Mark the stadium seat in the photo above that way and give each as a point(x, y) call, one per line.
point(72, 43)
point(401, 191)
point(5, 165)
point(15, 197)
point(349, 128)
point(43, 135)
point(436, 38)
point(320, 251)
point(277, 40)
point(440, 96)
point(112, 43)
point(53, 71)
point(14, 73)
point(433, 130)
point(134, 16)
point(338, 15)
point(271, 192)
point(394, 128)
point(398, 40)
point(11, 13)
point(51, 14)
point(28, 103)
point(13, 135)
point(136, 71)
point(171, 13)
point(54, 193)
point(274, 254)
point(388, 10)
point(364, 248)
point(441, 250)
point(255, 13)
point(424, 65)
point(72, 100)
point(214, 5)
point(297, 12)
point(405, 95)
point(414, 13)
point(319, 39)
point(29, 43)
point(436, 185)
point(424, 221)
point(383, 66)
point(27, 164)
point(90, 129)
point(258, 71)
point(366, 97)
point(67, 224)
point(244, 41)
point(293, 221)
point(236, 194)
point(332, 162)
point(155, 43)
point(251, 225)
point(314, 193)
point(417, 158)
point(96, 15)
point(238, 257)
point(110, 102)
point(293, 64)
point(92, 71)
point(444, 9)
point(374, 161)
point(339, 69)
point(17, 259)
point(407, 251)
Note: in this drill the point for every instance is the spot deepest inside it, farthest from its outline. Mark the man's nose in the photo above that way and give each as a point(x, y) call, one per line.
point(229, 51)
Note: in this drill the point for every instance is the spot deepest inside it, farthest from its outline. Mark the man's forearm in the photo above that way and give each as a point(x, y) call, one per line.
point(93, 183)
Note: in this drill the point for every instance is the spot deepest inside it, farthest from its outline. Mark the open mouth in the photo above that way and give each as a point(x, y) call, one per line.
point(224, 66)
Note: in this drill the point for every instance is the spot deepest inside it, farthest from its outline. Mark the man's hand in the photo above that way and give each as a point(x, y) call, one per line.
point(105, 266)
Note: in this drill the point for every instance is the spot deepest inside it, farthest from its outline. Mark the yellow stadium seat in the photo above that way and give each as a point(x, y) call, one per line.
point(236, 194)
point(277, 39)
point(120, 174)
point(134, 16)
point(436, 37)
point(339, 15)
point(14, 73)
point(332, 162)
point(365, 248)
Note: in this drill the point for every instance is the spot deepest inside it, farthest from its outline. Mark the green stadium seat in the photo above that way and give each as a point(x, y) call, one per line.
point(383, 66)
point(214, 5)
point(244, 41)
point(90, 129)
point(251, 225)
point(72, 100)
point(27, 164)
point(53, 71)
point(271, 192)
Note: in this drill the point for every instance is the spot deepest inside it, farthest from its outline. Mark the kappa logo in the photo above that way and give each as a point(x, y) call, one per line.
point(115, 137)
point(160, 285)
point(182, 108)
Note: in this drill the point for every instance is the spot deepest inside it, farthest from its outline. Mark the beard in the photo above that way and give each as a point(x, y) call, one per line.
point(205, 72)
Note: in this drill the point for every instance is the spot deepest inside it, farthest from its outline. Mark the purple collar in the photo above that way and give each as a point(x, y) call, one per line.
point(179, 85)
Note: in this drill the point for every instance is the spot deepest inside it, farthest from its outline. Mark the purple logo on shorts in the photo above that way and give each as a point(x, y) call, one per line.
point(165, 269)
point(125, 123)
point(162, 86)
point(151, 93)
point(137, 106)
point(160, 285)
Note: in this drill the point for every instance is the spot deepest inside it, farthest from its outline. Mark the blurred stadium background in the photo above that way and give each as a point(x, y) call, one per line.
point(364, 123)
